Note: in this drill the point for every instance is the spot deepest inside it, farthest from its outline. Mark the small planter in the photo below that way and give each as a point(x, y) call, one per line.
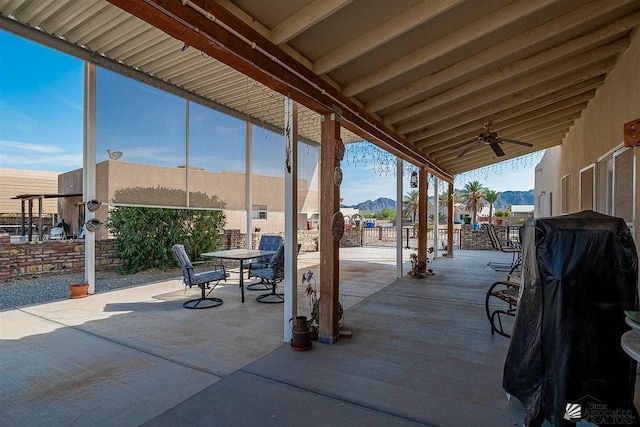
point(79, 290)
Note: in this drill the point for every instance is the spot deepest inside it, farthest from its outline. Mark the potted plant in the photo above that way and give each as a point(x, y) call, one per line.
point(79, 290)
point(314, 304)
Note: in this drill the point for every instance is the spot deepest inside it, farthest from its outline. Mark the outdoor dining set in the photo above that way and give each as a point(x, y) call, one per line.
point(267, 265)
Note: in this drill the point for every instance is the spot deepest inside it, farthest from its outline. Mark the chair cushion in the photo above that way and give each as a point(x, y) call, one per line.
point(258, 265)
point(267, 273)
point(270, 243)
point(208, 276)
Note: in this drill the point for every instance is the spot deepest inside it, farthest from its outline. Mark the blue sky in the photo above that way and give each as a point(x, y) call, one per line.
point(41, 127)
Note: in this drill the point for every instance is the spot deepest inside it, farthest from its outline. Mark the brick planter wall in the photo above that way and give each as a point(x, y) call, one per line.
point(51, 257)
point(234, 239)
point(480, 240)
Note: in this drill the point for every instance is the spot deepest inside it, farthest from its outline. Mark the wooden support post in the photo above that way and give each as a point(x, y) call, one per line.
point(22, 222)
point(30, 229)
point(329, 248)
point(40, 218)
point(399, 176)
point(450, 221)
point(423, 200)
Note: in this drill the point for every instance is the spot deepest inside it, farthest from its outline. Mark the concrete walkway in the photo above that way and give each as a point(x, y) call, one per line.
point(421, 353)
point(121, 358)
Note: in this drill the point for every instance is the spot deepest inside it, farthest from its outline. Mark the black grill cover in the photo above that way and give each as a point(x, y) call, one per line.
point(580, 272)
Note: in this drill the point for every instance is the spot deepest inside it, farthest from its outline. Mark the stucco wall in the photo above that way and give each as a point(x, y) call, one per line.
point(228, 186)
point(598, 131)
point(23, 181)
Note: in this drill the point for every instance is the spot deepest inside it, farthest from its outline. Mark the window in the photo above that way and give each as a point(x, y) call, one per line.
point(587, 187)
point(259, 212)
point(566, 193)
point(615, 187)
point(604, 186)
point(623, 192)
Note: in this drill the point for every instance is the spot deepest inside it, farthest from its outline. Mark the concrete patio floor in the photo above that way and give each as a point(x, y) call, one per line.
point(421, 353)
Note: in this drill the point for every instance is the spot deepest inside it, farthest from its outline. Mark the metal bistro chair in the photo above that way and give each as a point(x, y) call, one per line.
point(515, 250)
point(506, 291)
point(200, 280)
point(267, 243)
point(272, 275)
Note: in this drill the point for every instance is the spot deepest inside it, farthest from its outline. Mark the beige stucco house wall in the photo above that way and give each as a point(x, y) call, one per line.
point(598, 132)
point(23, 181)
point(229, 187)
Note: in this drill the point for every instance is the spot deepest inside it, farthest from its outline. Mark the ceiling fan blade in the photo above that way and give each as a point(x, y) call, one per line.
point(496, 149)
point(473, 145)
point(513, 141)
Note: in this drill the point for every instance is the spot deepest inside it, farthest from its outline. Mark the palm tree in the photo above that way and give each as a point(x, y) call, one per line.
point(472, 196)
point(410, 204)
point(443, 199)
point(491, 196)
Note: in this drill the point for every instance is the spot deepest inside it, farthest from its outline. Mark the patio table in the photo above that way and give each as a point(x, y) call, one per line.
point(240, 255)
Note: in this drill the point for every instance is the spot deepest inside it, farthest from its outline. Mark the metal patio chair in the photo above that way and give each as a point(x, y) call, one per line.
point(513, 248)
point(201, 280)
point(267, 243)
point(272, 275)
point(502, 292)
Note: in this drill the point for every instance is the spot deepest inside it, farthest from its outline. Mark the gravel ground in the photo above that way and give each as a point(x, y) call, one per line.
point(40, 289)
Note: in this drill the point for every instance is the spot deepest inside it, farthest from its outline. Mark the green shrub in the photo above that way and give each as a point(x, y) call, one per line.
point(500, 214)
point(144, 236)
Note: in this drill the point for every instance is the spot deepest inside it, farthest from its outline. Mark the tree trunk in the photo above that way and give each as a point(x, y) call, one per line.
point(490, 212)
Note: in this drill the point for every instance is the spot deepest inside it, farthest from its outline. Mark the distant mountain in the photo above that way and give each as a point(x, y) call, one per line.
point(373, 206)
point(508, 198)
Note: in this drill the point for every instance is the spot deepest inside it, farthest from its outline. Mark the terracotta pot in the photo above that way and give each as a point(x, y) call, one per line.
point(79, 290)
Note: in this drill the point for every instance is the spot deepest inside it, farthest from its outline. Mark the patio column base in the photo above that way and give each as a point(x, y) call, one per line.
point(327, 339)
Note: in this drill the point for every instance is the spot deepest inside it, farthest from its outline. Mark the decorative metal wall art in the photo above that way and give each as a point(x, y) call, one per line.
point(339, 149)
point(337, 176)
point(337, 226)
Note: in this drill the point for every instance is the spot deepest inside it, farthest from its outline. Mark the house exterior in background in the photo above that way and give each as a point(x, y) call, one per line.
point(138, 184)
point(592, 169)
point(521, 211)
point(23, 181)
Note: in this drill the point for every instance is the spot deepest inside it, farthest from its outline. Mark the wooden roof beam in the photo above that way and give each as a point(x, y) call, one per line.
point(560, 25)
point(305, 18)
point(518, 68)
point(452, 41)
point(496, 113)
point(223, 36)
point(476, 126)
point(394, 27)
point(514, 96)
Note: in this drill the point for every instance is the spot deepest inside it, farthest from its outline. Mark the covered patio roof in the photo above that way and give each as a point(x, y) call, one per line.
point(419, 79)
